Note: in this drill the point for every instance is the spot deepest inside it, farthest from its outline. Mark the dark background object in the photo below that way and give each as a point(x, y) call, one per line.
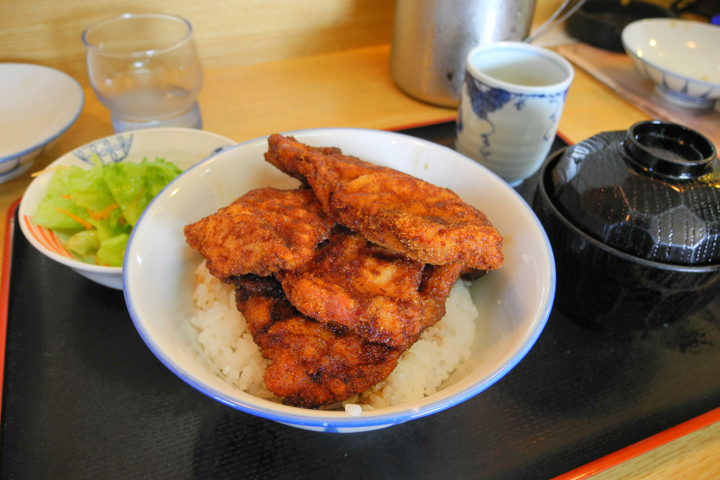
point(600, 22)
point(633, 221)
point(706, 9)
point(84, 398)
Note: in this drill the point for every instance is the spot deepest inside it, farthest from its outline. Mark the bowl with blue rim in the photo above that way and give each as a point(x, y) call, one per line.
point(514, 300)
point(38, 105)
point(679, 57)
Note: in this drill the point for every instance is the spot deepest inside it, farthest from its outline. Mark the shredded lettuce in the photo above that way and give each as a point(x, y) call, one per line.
point(60, 214)
point(84, 243)
point(133, 185)
point(94, 210)
point(112, 250)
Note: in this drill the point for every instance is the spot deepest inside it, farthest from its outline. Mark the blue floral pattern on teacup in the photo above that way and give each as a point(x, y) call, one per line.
point(486, 100)
point(109, 150)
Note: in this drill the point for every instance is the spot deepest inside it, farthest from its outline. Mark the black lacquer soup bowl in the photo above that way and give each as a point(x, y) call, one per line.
point(634, 221)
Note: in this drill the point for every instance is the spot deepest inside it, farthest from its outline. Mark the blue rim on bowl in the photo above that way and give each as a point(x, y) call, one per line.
point(24, 156)
point(161, 311)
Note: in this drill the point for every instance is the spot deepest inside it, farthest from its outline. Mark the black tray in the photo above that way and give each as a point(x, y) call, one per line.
point(83, 397)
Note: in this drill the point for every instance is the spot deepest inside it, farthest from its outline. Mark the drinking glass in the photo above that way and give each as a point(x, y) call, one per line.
point(145, 69)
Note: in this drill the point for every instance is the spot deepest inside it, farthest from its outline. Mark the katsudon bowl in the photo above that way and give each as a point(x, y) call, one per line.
point(514, 301)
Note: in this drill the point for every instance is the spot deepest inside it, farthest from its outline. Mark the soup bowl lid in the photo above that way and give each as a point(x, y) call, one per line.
point(652, 191)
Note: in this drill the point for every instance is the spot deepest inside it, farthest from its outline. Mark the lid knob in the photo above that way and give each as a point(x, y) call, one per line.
point(668, 150)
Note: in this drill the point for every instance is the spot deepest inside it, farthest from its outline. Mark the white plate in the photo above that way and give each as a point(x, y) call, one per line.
point(37, 105)
point(159, 280)
point(182, 146)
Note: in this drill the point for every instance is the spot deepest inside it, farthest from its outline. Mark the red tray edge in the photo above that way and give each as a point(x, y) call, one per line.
point(5, 288)
point(628, 453)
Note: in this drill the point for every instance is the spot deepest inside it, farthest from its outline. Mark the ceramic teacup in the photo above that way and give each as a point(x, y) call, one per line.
point(512, 98)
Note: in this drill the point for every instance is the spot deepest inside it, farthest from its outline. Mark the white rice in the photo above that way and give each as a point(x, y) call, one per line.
point(421, 370)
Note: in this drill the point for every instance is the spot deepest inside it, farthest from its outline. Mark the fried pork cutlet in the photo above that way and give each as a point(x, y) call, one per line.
point(426, 223)
point(323, 169)
point(264, 231)
point(381, 295)
point(312, 364)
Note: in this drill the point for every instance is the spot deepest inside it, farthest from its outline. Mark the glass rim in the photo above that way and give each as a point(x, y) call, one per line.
point(185, 38)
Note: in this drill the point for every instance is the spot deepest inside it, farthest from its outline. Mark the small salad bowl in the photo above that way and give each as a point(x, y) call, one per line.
point(37, 106)
point(183, 147)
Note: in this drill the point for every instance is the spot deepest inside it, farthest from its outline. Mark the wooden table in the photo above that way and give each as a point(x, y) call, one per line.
point(356, 90)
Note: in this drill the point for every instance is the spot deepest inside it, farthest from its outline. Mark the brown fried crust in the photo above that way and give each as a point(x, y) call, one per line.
point(377, 293)
point(323, 169)
point(312, 364)
point(355, 295)
point(264, 231)
point(426, 223)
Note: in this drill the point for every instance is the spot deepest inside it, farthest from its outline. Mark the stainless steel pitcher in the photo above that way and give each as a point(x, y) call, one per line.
point(431, 39)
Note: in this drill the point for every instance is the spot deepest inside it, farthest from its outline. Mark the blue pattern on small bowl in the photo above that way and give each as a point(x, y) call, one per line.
point(109, 150)
point(486, 100)
point(13, 167)
point(681, 91)
point(679, 56)
point(511, 102)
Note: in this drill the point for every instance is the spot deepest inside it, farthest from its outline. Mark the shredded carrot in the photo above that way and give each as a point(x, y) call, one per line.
point(82, 222)
point(66, 197)
point(49, 169)
point(104, 213)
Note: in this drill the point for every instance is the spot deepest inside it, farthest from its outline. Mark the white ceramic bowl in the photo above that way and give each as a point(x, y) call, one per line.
point(182, 146)
point(159, 279)
point(682, 58)
point(37, 105)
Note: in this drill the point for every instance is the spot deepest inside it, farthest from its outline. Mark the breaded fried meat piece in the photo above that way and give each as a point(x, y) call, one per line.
point(312, 364)
point(381, 295)
point(425, 222)
point(264, 231)
point(323, 169)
